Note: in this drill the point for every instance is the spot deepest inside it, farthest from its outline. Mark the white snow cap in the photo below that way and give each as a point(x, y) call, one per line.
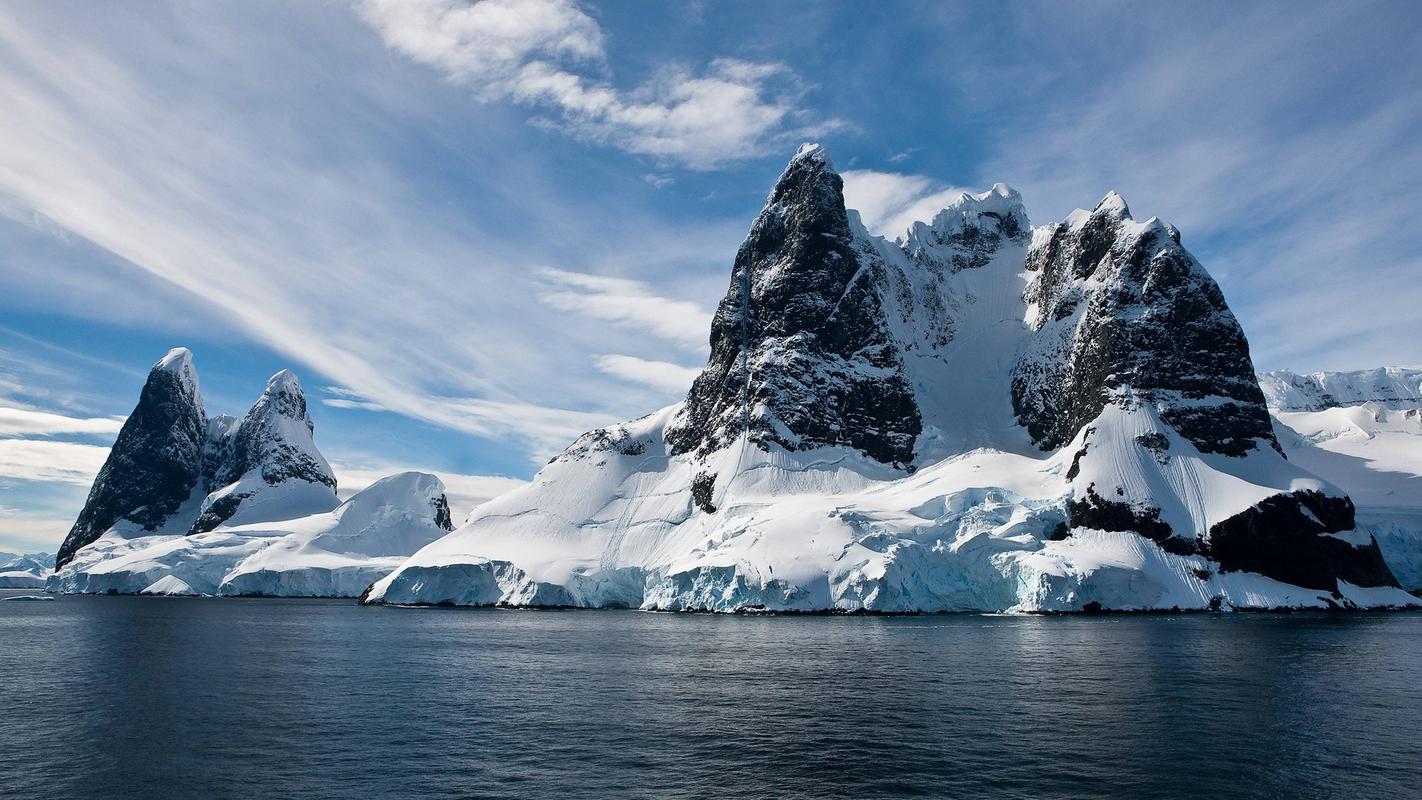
point(1114, 202)
point(283, 382)
point(179, 363)
point(179, 359)
point(815, 151)
point(967, 210)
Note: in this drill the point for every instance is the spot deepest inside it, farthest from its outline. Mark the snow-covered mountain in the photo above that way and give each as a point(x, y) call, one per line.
point(25, 570)
point(172, 470)
point(975, 416)
point(336, 553)
point(1363, 432)
point(1389, 387)
point(191, 504)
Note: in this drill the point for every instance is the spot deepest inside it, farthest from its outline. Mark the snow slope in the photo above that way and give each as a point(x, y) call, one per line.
point(854, 444)
point(336, 553)
point(1362, 431)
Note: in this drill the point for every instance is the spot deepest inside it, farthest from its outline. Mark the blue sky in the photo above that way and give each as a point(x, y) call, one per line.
point(475, 232)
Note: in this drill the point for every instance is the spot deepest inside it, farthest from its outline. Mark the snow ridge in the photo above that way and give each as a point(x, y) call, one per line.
point(1392, 387)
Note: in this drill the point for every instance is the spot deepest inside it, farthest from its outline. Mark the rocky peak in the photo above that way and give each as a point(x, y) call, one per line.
point(801, 355)
point(284, 397)
point(155, 462)
point(1120, 309)
point(275, 438)
point(171, 464)
point(970, 231)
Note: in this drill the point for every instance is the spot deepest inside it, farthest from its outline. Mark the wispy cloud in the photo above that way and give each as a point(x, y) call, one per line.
point(1280, 144)
point(350, 399)
point(549, 55)
point(332, 260)
point(24, 530)
point(662, 375)
point(30, 422)
point(629, 303)
point(50, 461)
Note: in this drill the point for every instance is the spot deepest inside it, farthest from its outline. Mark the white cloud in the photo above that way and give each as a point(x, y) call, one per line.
point(538, 53)
point(487, 43)
point(57, 462)
point(889, 202)
point(30, 422)
point(661, 375)
point(629, 303)
point(349, 398)
point(28, 531)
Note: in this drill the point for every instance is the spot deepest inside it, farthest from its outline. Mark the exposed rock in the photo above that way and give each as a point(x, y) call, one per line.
point(155, 462)
point(1122, 310)
point(174, 470)
point(801, 354)
point(1305, 538)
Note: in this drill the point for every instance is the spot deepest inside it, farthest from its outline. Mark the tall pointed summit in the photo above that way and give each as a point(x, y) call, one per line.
point(155, 462)
point(801, 354)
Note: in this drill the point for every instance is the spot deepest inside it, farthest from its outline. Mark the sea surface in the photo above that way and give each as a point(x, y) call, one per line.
point(117, 697)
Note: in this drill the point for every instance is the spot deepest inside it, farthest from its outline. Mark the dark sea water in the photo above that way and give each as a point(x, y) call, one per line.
point(151, 697)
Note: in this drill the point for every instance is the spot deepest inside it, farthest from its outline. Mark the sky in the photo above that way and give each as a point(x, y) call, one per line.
point(476, 231)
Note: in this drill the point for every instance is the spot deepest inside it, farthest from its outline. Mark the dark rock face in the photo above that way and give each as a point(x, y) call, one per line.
point(1122, 309)
point(441, 513)
point(259, 443)
point(800, 351)
point(1095, 511)
point(262, 444)
point(703, 486)
point(1286, 538)
point(155, 463)
point(218, 512)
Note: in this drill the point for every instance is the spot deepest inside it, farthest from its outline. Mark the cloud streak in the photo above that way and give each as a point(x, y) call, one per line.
point(29, 422)
point(889, 202)
point(662, 375)
point(51, 462)
point(332, 260)
point(628, 303)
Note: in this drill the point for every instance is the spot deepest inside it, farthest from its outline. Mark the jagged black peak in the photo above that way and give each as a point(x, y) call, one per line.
point(800, 353)
point(259, 442)
point(169, 455)
point(155, 462)
point(1123, 309)
point(262, 444)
